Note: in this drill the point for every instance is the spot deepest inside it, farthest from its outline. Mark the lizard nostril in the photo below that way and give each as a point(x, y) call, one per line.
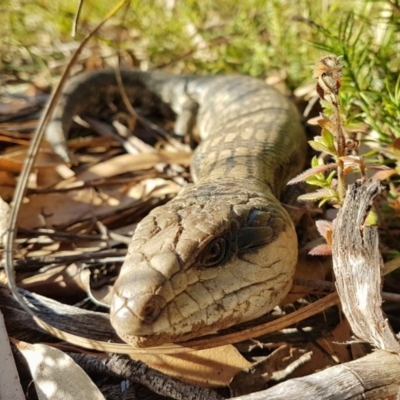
point(150, 311)
point(134, 315)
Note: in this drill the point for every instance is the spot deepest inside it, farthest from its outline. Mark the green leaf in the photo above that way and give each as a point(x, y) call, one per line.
point(372, 219)
point(314, 162)
point(313, 196)
point(330, 177)
point(318, 146)
point(315, 181)
point(332, 199)
point(329, 141)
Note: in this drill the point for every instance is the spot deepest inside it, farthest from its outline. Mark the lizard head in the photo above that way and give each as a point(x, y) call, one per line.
point(194, 268)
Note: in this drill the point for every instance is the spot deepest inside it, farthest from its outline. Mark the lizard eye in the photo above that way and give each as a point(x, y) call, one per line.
point(214, 253)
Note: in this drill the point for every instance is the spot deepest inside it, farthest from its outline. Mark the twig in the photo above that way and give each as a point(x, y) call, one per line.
point(76, 18)
point(113, 255)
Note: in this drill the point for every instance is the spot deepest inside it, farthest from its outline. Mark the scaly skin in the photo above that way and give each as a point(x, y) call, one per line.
point(224, 251)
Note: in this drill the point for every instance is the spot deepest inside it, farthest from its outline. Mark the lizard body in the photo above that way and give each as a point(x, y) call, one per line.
point(224, 250)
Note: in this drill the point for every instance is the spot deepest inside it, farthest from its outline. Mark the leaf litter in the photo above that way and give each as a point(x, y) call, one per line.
point(76, 220)
point(75, 223)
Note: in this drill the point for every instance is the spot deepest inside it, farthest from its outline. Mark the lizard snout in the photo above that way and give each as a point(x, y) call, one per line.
point(135, 315)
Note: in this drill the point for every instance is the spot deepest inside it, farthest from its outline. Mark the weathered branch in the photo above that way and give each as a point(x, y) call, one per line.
point(373, 377)
point(357, 264)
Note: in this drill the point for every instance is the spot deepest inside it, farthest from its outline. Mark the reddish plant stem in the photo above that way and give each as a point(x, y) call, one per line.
point(341, 146)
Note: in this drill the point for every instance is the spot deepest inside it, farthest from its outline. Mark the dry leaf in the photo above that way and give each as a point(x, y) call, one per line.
point(56, 375)
point(6, 192)
point(7, 178)
point(132, 162)
point(55, 209)
point(208, 368)
point(275, 366)
point(382, 175)
point(308, 268)
point(63, 209)
point(9, 164)
point(58, 281)
point(321, 250)
point(331, 350)
point(335, 343)
point(325, 228)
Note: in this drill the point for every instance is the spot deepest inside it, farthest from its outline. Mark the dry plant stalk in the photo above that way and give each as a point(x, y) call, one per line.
point(328, 72)
point(332, 142)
